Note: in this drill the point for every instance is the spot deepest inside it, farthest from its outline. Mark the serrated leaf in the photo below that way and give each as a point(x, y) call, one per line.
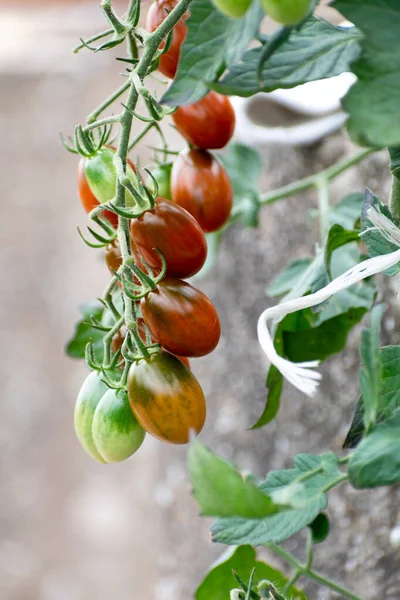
point(373, 100)
point(376, 461)
point(220, 490)
point(319, 50)
point(218, 582)
point(75, 347)
point(375, 242)
point(389, 397)
point(337, 237)
point(288, 278)
point(309, 477)
point(370, 372)
point(347, 211)
point(213, 41)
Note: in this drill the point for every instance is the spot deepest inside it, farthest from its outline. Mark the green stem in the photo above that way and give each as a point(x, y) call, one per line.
point(102, 122)
point(394, 200)
point(311, 181)
point(93, 115)
point(94, 38)
point(311, 574)
point(335, 482)
point(141, 135)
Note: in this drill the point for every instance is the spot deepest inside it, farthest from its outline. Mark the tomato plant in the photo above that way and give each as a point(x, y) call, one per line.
point(208, 123)
point(135, 340)
point(157, 13)
point(201, 185)
point(181, 318)
point(166, 398)
point(175, 233)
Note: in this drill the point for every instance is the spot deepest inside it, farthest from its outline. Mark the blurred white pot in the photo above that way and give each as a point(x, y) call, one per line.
point(299, 116)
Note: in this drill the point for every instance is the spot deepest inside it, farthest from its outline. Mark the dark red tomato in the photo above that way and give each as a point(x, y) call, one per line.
point(208, 123)
point(181, 318)
point(88, 199)
point(174, 232)
point(200, 184)
point(157, 12)
point(119, 337)
point(166, 398)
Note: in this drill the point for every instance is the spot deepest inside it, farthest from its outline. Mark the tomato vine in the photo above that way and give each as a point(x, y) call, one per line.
point(137, 338)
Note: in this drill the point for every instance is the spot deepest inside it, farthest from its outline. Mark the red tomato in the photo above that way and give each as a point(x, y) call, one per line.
point(157, 12)
point(88, 199)
point(208, 123)
point(113, 256)
point(174, 232)
point(166, 398)
point(181, 318)
point(200, 184)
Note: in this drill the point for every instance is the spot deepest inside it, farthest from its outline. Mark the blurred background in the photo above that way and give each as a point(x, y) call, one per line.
point(72, 529)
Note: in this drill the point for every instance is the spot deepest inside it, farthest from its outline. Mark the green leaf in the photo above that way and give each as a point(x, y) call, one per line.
point(347, 211)
point(337, 237)
point(213, 41)
point(376, 461)
point(389, 397)
point(83, 333)
point(375, 242)
point(244, 166)
point(288, 278)
point(370, 372)
point(373, 100)
point(220, 489)
point(218, 582)
point(302, 486)
point(320, 528)
point(274, 386)
point(319, 50)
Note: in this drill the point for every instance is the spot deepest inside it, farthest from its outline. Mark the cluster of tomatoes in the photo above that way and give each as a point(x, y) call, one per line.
point(163, 397)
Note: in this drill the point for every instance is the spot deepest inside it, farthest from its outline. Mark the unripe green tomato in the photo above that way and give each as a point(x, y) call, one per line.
point(104, 422)
point(233, 8)
point(162, 174)
point(287, 12)
point(102, 177)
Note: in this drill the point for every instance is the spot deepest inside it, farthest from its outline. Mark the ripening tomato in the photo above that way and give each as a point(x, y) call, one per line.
point(201, 185)
point(97, 181)
point(113, 256)
point(233, 8)
point(174, 232)
point(166, 398)
point(208, 123)
point(119, 337)
point(104, 423)
point(158, 11)
point(287, 12)
point(181, 318)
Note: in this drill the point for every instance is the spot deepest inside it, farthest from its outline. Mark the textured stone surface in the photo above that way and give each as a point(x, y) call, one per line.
point(71, 529)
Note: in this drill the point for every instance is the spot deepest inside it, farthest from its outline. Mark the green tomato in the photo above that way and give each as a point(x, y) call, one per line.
point(162, 174)
point(233, 8)
point(287, 12)
point(104, 422)
point(102, 177)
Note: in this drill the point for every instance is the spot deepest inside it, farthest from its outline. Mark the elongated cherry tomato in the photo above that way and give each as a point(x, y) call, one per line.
point(104, 422)
point(202, 186)
point(157, 12)
point(174, 232)
point(233, 8)
point(119, 337)
point(287, 12)
point(166, 398)
point(181, 318)
point(97, 181)
point(208, 123)
point(113, 256)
